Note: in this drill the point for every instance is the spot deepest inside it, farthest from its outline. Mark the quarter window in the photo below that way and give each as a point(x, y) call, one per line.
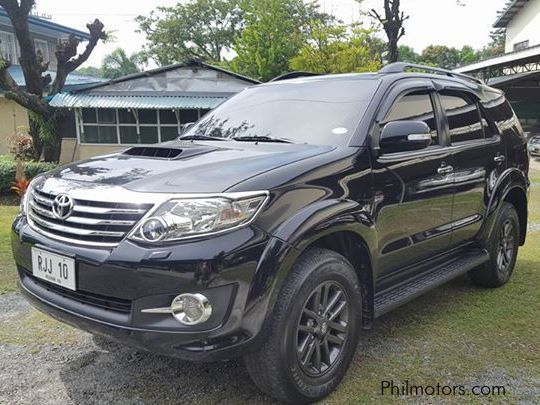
point(415, 107)
point(463, 117)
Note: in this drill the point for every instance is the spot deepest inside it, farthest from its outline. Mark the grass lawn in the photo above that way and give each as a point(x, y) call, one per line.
point(7, 267)
point(458, 334)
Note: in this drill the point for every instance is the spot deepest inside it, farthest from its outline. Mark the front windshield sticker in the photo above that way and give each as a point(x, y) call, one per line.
point(340, 131)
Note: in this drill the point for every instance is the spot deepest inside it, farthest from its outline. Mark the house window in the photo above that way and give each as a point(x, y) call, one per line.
point(43, 47)
point(519, 46)
point(132, 126)
point(8, 47)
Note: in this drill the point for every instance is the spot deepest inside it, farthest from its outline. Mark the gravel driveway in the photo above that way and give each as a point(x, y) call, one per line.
point(63, 365)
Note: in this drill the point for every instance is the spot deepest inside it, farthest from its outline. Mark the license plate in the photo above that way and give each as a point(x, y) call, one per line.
point(54, 268)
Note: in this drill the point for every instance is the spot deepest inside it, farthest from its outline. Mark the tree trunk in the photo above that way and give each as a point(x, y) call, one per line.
point(392, 48)
point(52, 150)
point(36, 138)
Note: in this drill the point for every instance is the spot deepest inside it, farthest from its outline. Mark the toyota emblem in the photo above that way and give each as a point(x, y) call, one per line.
point(62, 206)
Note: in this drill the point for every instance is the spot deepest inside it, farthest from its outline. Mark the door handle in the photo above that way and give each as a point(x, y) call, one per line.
point(499, 158)
point(446, 169)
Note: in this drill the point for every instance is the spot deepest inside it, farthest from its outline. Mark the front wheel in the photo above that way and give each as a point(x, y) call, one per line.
point(503, 247)
point(313, 332)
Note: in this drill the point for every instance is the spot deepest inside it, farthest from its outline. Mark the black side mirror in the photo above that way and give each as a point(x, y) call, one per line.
point(401, 136)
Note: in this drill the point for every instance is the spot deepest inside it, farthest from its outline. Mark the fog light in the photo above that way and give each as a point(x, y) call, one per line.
point(153, 229)
point(191, 309)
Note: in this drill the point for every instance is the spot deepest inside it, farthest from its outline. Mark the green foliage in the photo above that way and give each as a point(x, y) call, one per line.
point(8, 169)
point(495, 46)
point(201, 29)
point(440, 56)
point(45, 126)
point(274, 32)
point(89, 71)
point(118, 63)
point(338, 48)
point(408, 54)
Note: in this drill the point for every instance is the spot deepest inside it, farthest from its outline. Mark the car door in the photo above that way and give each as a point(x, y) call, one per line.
point(413, 189)
point(479, 160)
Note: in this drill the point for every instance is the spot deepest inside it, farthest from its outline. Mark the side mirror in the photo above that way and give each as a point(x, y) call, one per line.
point(401, 136)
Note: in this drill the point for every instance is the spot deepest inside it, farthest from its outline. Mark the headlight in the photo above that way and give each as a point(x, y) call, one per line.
point(23, 207)
point(183, 218)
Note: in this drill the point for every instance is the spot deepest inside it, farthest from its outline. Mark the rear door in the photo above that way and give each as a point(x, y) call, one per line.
point(478, 156)
point(413, 190)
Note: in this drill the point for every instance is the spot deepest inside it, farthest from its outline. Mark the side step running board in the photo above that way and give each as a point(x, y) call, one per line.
point(397, 295)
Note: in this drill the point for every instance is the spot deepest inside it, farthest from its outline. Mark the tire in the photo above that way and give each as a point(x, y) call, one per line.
point(502, 246)
point(304, 356)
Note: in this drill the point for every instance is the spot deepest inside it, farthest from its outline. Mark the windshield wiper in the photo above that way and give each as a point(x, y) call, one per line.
point(260, 138)
point(200, 138)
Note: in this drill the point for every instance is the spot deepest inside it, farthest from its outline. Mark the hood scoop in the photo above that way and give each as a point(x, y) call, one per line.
point(153, 152)
point(168, 152)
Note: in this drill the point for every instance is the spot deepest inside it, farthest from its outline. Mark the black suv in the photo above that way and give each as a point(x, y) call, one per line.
point(283, 222)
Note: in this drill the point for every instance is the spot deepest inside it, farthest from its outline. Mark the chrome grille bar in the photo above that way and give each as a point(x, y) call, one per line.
point(75, 231)
point(96, 223)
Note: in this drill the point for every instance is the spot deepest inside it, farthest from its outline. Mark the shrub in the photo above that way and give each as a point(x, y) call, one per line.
point(8, 169)
point(20, 186)
point(22, 147)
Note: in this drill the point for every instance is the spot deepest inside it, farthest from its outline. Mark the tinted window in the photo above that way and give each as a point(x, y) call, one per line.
point(415, 107)
point(463, 118)
point(302, 111)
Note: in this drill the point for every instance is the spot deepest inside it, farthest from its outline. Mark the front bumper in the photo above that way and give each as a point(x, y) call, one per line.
point(113, 285)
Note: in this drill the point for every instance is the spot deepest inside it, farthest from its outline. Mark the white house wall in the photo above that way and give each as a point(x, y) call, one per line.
point(525, 26)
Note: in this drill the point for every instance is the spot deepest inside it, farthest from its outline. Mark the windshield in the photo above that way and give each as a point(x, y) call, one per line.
point(312, 111)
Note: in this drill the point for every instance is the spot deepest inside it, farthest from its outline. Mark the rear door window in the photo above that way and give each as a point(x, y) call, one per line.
point(463, 117)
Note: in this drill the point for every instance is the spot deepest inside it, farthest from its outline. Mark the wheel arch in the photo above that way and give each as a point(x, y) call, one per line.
point(512, 186)
point(518, 198)
point(355, 249)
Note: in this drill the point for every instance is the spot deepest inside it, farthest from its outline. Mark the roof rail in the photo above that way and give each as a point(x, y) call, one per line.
point(399, 67)
point(293, 75)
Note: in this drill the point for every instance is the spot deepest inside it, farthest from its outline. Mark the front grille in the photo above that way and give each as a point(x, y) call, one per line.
point(100, 301)
point(91, 222)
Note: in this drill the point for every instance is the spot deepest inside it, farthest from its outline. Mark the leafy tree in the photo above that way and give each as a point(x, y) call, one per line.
point(496, 44)
point(467, 55)
point(198, 29)
point(408, 54)
point(440, 56)
point(338, 48)
point(274, 32)
point(392, 23)
point(448, 58)
point(89, 71)
point(43, 117)
point(118, 63)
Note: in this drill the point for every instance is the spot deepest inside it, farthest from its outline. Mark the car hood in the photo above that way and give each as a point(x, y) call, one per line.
point(213, 166)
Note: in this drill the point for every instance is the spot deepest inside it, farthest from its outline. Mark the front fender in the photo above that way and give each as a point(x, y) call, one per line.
point(293, 237)
point(509, 179)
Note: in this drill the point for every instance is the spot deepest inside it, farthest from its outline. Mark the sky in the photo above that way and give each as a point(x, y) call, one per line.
point(441, 22)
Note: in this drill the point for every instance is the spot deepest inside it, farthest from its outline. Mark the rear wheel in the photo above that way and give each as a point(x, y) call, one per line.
point(313, 332)
point(503, 248)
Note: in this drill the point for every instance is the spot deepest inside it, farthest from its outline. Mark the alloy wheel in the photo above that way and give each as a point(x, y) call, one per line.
point(506, 247)
point(322, 329)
